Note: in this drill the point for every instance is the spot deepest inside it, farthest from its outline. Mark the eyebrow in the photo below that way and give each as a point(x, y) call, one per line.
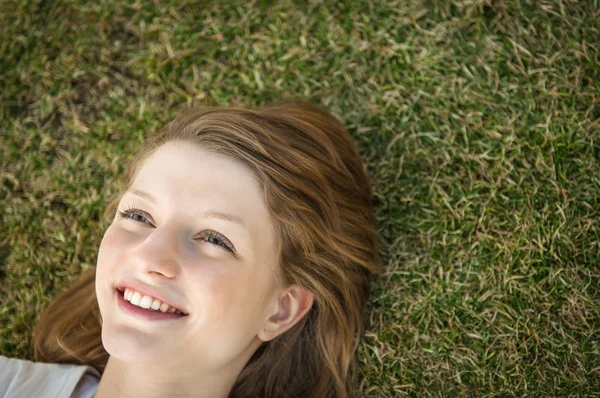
point(206, 214)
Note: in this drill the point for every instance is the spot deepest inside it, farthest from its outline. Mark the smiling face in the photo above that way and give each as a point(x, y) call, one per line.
point(167, 238)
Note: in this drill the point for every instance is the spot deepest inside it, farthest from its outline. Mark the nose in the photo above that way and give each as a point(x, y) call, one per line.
point(158, 256)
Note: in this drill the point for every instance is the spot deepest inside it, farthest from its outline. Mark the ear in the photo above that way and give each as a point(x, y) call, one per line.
point(291, 306)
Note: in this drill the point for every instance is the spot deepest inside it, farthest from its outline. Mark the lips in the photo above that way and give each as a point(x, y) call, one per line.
point(144, 314)
point(147, 291)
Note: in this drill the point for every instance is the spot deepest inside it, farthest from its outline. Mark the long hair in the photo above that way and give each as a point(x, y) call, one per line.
point(319, 195)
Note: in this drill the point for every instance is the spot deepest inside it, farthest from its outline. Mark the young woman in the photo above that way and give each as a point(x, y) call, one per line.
point(237, 264)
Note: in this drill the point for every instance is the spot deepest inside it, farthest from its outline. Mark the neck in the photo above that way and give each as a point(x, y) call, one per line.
point(129, 379)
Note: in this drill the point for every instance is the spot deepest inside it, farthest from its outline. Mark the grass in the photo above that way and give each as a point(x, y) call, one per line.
point(479, 121)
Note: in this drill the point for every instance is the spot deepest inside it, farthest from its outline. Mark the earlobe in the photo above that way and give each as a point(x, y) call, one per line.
point(292, 306)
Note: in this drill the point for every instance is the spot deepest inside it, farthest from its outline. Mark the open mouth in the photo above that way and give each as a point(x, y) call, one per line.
point(145, 306)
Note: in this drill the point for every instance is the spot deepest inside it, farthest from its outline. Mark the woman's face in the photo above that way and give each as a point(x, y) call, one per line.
point(174, 246)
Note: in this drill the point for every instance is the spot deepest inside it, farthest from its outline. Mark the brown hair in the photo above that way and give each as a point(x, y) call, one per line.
point(319, 196)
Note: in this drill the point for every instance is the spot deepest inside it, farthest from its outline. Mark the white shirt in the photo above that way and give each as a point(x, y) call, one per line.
point(25, 379)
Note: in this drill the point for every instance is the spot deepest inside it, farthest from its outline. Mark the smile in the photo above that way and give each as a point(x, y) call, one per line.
point(147, 302)
point(149, 313)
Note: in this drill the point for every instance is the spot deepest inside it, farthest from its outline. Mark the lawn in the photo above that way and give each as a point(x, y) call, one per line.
point(479, 122)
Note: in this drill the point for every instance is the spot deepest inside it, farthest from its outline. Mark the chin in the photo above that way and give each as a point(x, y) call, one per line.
point(130, 345)
point(129, 342)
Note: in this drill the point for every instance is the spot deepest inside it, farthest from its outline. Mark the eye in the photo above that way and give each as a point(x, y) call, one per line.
point(212, 237)
point(132, 213)
point(217, 239)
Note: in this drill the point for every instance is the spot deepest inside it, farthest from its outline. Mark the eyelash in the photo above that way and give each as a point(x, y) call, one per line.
point(210, 234)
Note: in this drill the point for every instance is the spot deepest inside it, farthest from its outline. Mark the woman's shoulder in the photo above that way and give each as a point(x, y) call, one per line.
point(23, 378)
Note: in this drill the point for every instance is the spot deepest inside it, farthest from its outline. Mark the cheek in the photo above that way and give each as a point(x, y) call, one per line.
point(217, 285)
point(114, 241)
point(230, 297)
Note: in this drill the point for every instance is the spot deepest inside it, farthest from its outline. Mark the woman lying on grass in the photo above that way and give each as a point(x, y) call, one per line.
point(237, 264)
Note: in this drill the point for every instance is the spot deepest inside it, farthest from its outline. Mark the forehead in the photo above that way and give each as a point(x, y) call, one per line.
point(195, 180)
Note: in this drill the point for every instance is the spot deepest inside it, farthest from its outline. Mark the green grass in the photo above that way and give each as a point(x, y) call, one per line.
point(479, 122)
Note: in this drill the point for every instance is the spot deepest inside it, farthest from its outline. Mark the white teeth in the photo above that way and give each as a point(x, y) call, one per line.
point(148, 302)
point(136, 298)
